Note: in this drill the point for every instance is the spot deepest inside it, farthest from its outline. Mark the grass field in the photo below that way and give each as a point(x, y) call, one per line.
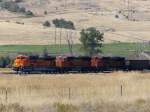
point(122, 49)
point(75, 92)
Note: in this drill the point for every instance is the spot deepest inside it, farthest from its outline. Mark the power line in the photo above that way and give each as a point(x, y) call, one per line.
point(65, 4)
point(60, 39)
point(128, 9)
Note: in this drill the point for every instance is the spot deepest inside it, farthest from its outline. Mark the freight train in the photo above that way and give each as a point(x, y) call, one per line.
point(65, 64)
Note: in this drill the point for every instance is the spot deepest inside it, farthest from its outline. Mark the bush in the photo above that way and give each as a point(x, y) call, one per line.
point(22, 10)
point(61, 23)
point(14, 7)
point(29, 13)
point(47, 24)
point(5, 61)
point(10, 6)
point(45, 12)
point(116, 16)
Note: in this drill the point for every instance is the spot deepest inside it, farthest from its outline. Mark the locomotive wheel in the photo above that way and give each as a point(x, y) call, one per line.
point(61, 71)
point(28, 72)
point(20, 71)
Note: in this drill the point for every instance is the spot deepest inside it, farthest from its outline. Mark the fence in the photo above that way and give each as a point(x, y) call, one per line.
point(8, 95)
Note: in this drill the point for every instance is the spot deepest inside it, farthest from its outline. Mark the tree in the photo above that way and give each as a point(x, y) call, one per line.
point(5, 61)
point(91, 40)
point(2, 62)
point(62, 23)
point(10, 6)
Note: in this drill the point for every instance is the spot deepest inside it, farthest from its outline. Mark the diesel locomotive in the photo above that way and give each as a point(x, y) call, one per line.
point(64, 64)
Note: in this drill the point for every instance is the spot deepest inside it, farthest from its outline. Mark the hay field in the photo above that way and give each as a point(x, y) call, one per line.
point(76, 92)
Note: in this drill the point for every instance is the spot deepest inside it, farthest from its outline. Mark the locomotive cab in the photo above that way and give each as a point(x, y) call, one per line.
point(20, 62)
point(27, 64)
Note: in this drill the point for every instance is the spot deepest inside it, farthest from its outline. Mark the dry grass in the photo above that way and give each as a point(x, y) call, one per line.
point(75, 93)
point(80, 92)
point(25, 34)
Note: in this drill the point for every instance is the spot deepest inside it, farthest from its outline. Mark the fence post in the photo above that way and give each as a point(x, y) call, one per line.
point(69, 93)
point(6, 95)
point(121, 90)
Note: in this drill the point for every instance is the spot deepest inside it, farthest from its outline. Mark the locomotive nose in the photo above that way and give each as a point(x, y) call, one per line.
point(16, 63)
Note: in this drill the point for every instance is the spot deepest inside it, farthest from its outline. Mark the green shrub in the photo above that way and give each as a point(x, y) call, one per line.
point(5, 61)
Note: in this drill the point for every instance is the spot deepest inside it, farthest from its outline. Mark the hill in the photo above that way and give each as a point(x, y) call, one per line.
point(121, 21)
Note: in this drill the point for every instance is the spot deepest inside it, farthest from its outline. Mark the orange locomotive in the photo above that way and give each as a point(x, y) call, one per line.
point(62, 64)
point(34, 63)
point(72, 63)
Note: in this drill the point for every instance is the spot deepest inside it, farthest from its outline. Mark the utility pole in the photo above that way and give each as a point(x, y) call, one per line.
point(131, 12)
point(65, 4)
point(128, 9)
